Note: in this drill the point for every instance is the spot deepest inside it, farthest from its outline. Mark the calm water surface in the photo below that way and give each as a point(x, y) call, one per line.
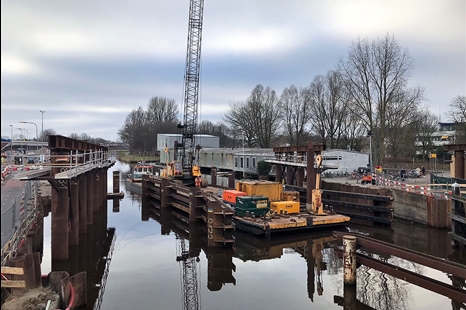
point(299, 271)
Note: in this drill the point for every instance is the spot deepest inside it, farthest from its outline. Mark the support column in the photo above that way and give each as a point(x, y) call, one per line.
point(213, 176)
point(74, 218)
point(231, 179)
point(278, 173)
point(60, 213)
point(459, 164)
point(310, 175)
point(289, 175)
point(300, 176)
point(165, 198)
point(82, 187)
point(89, 185)
point(349, 260)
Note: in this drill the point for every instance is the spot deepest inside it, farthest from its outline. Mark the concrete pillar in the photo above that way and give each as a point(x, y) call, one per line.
point(349, 260)
point(82, 187)
point(311, 175)
point(60, 213)
point(299, 176)
point(459, 164)
point(74, 218)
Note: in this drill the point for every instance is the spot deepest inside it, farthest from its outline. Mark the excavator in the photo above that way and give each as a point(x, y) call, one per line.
point(185, 166)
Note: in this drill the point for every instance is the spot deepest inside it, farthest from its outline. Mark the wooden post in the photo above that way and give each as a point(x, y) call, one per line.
point(349, 260)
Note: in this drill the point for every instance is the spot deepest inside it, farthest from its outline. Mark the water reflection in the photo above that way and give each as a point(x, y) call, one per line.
point(158, 252)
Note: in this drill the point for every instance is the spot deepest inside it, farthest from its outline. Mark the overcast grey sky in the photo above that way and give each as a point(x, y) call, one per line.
point(87, 64)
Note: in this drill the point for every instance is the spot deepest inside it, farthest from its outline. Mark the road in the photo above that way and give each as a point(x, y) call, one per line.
point(11, 192)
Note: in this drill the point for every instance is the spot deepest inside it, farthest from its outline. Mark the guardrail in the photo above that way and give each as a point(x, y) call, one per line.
point(21, 223)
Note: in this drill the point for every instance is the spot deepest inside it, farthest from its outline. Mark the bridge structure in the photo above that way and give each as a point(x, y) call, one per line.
point(77, 173)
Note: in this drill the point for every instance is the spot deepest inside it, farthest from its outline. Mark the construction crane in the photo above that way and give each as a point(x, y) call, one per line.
point(189, 272)
point(187, 150)
point(190, 171)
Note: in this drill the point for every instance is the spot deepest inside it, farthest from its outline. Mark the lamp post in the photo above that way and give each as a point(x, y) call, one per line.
point(244, 164)
point(42, 131)
point(11, 143)
point(369, 134)
point(22, 135)
point(37, 137)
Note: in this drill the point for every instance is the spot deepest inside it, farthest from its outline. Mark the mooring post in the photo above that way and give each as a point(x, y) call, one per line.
point(349, 259)
point(116, 182)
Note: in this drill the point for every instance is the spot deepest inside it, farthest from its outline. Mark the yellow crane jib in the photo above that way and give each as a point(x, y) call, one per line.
point(317, 207)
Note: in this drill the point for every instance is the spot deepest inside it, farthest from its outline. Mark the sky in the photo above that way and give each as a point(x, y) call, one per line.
point(88, 64)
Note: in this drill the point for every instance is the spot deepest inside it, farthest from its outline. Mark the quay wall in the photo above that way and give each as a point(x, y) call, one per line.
point(421, 209)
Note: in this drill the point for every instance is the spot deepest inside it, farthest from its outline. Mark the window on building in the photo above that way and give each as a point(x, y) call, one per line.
point(236, 162)
point(242, 164)
point(247, 162)
point(253, 162)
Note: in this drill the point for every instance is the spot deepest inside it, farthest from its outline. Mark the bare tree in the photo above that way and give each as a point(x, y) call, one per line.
point(134, 131)
point(377, 75)
point(295, 113)
point(160, 110)
point(458, 115)
point(426, 123)
point(258, 118)
point(328, 107)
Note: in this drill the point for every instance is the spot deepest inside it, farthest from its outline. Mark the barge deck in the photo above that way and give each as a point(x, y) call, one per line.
point(284, 223)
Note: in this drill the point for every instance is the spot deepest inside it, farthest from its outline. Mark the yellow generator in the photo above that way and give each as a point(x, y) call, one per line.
point(285, 207)
point(272, 190)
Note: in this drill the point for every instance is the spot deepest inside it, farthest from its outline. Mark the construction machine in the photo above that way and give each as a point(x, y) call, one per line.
point(186, 162)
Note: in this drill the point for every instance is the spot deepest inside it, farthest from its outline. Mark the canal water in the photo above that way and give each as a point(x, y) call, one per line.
point(156, 264)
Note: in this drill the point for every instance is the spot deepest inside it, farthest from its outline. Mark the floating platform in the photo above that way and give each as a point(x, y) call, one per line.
point(284, 223)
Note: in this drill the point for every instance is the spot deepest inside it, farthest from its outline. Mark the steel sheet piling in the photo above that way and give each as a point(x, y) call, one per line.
point(349, 259)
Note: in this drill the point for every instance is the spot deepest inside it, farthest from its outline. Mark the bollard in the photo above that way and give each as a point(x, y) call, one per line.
point(349, 260)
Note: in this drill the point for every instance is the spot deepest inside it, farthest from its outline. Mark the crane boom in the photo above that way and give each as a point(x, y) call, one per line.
point(191, 85)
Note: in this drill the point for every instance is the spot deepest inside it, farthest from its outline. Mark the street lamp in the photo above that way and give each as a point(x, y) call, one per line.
point(37, 137)
point(369, 134)
point(42, 131)
point(244, 164)
point(11, 143)
point(22, 135)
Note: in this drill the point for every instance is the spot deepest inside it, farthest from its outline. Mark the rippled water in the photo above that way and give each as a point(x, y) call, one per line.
point(148, 270)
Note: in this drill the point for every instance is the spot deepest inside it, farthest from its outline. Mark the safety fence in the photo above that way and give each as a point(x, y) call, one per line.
point(18, 216)
point(439, 191)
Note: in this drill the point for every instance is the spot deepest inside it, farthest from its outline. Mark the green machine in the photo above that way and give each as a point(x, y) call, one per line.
point(252, 206)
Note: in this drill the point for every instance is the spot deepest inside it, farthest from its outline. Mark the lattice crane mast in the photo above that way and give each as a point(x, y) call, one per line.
point(187, 149)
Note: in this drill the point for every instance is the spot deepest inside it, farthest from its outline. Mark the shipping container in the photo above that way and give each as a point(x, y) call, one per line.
point(230, 195)
point(272, 190)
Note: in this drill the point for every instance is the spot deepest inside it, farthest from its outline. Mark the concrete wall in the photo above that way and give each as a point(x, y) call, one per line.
point(421, 209)
point(409, 206)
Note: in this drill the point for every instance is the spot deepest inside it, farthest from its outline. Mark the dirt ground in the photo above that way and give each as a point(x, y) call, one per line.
point(33, 299)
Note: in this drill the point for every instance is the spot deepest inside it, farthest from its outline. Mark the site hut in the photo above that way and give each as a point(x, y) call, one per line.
point(168, 141)
point(343, 161)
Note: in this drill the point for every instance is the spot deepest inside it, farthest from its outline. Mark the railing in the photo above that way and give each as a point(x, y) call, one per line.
point(74, 162)
point(20, 224)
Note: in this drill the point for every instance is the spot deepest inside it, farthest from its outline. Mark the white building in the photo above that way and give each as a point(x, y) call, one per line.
point(168, 140)
point(344, 161)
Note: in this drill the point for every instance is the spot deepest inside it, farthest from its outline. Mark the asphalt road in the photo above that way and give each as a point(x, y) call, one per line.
point(11, 191)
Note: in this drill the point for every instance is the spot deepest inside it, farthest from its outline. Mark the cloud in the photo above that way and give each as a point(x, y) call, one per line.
point(95, 61)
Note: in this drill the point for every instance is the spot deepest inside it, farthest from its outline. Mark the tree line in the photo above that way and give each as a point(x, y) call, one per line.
point(366, 94)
